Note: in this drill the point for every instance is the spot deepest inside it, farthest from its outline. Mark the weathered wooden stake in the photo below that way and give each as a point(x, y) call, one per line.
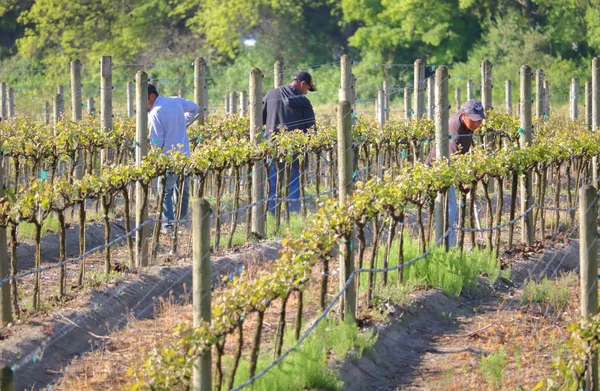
point(419, 88)
point(407, 104)
point(5, 301)
point(141, 149)
point(4, 100)
point(588, 104)
point(470, 89)
point(76, 102)
point(277, 74)
point(441, 139)
point(256, 135)
point(573, 99)
point(130, 110)
point(539, 94)
point(380, 107)
point(200, 90)
point(106, 109)
point(525, 140)
point(11, 102)
point(430, 98)
point(508, 96)
point(457, 101)
point(243, 104)
point(386, 101)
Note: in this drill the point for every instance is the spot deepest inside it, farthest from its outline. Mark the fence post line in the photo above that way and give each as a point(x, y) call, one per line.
point(243, 103)
point(419, 88)
point(60, 90)
point(277, 74)
point(441, 140)
point(4, 99)
point(227, 108)
point(457, 101)
point(256, 135)
point(345, 92)
point(76, 109)
point(508, 96)
point(595, 111)
point(47, 112)
point(539, 93)
point(105, 101)
point(386, 101)
point(380, 107)
point(345, 186)
point(5, 302)
point(588, 104)
point(486, 101)
point(407, 103)
point(546, 86)
point(56, 111)
point(430, 98)
point(525, 140)
point(588, 266)
point(201, 287)
point(469, 89)
point(200, 90)
point(91, 106)
point(573, 99)
point(7, 381)
point(130, 110)
point(11, 102)
point(141, 149)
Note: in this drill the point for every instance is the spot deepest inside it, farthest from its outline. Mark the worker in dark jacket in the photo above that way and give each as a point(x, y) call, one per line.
point(284, 109)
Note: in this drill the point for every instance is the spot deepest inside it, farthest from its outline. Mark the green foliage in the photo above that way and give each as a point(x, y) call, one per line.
point(554, 293)
point(493, 366)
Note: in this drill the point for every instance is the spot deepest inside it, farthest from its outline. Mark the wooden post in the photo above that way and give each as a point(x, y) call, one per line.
point(573, 102)
point(5, 302)
point(457, 101)
point(56, 110)
point(588, 267)
point(76, 102)
point(227, 109)
point(380, 107)
point(243, 104)
point(508, 96)
point(419, 88)
point(106, 101)
point(469, 89)
point(346, 80)
point(546, 86)
point(588, 104)
point(407, 108)
point(277, 74)
point(60, 90)
point(346, 185)
point(486, 101)
point(539, 94)
point(386, 101)
point(441, 140)
point(256, 135)
point(201, 286)
point(4, 99)
point(11, 102)
point(91, 106)
point(47, 112)
point(7, 382)
point(595, 111)
point(200, 90)
point(430, 98)
point(233, 109)
point(130, 110)
point(524, 141)
point(141, 149)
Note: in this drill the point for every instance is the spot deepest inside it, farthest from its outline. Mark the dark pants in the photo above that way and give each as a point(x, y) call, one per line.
point(293, 184)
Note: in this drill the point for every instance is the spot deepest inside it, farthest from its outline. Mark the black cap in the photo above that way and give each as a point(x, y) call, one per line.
point(306, 77)
point(474, 109)
point(152, 89)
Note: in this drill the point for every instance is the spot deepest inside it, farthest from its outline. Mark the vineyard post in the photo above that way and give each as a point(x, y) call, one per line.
point(243, 103)
point(407, 108)
point(469, 89)
point(106, 101)
point(441, 140)
point(588, 105)
point(508, 96)
point(588, 265)
point(419, 87)
point(380, 107)
point(345, 185)
point(7, 382)
point(11, 102)
point(486, 100)
point(60, 90)
point(546, 86)
point(457, 97)
point(430, 97)
point(525, 140)
point(277, 74)
point(573, 106)
point(91, 106)
point(539, 93)
point(201, 287)
point(5, 302)
point(347, 81)
point(47, 112)
point(256, 135)
point(595, 111)
point(4, 98)
point(227, 107)
point(180, 92)
point(354, 94)
point(56, 111)
point(141, 149)
point(130, 111)
point(233, 100)
point(386, 101)
point(200, 90)
point(76, 113)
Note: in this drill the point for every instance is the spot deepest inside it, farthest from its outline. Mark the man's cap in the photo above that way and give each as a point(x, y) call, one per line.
point(305, 76)
point(474, 109)
point(152, 89)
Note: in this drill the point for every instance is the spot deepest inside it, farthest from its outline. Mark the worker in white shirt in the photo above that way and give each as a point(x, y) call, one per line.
point(167, 120)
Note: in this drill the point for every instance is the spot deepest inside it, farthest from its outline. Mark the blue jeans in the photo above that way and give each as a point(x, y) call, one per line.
point(293, 184)
point(452, 216)
point(172, 196)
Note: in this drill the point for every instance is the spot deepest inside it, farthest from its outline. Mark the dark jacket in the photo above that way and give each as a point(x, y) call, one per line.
point(285, 107)
point(461, 137)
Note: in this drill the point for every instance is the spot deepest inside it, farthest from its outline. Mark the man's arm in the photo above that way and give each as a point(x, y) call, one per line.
point(157, 131)
point(190, 110)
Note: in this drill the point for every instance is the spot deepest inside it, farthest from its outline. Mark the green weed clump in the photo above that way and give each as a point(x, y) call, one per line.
point(492, 367)
point(308, 367)
point(554, 293)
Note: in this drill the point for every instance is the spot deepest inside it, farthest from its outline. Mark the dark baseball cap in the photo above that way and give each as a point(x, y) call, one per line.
point(305, 76)
point(474, 109)
point(152, 89)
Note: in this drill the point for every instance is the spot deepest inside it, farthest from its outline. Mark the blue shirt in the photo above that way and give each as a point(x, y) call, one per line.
point(167, 121)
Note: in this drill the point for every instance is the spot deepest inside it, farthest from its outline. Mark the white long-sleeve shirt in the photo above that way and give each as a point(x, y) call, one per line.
point(167, 122)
